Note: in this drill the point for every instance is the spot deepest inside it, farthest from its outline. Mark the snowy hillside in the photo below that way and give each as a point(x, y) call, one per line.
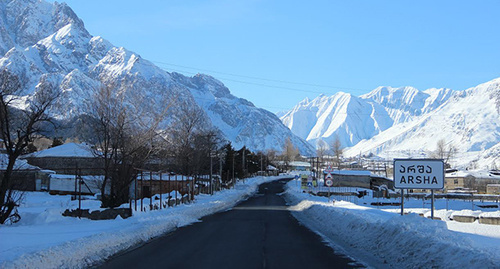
point(405, 122)
point(45, 41)
point(405, 103)
point(350, 118)
point(469, 121)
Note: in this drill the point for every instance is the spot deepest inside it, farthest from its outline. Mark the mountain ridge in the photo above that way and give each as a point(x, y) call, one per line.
point(43, 41)
point(406, 122)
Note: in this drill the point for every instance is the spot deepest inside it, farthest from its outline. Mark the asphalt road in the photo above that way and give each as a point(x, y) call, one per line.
point(257, 233)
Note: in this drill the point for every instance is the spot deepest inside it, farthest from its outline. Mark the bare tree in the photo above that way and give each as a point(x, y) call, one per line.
point(321, 149)
point(337, 150)
point(271, 156)
point(187, 130)
point(440, 149)
point(444, 152)
point(125, 134)
point(290, 152)
point(205, 142)
point(17, 128)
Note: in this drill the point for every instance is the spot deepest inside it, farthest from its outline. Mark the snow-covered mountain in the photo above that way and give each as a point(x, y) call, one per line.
point(47, 41)
point(405, 103)
point(342, 115)
point(468, 120)
point(405, 122)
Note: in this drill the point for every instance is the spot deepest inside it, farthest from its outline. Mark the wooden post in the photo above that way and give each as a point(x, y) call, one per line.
point(150, 190)
point(160, 190)
point(80, 193)
point(135, 193)
point(142, 191)
point(169, 190)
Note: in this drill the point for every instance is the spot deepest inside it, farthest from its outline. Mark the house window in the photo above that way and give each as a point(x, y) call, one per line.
point(455, 182)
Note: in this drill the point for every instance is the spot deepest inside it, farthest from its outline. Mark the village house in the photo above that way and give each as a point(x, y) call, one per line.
point(61, 167)
point(70, 158)
point(475, 181)
point(25, 177)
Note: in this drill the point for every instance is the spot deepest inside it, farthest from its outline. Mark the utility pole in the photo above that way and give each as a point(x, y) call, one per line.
point(220, 166)
point(243, 163)
point(234, 181)
point(209, 136)
point(261, 168)
point(211, 178)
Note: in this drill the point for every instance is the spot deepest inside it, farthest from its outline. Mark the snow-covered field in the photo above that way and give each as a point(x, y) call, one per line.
point(45, 239)
point(382, 238)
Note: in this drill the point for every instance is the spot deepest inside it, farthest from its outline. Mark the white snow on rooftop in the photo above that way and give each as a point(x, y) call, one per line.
point(475, 173)
point(19, 164)
point(66, 150)
point(297, 163)
point(351, 172)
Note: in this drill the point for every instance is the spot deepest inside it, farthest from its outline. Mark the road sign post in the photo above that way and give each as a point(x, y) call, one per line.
point(418, 174)
point(329, 180)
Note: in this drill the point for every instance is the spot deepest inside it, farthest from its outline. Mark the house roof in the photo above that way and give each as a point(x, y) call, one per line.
point(19, 165)
point(271, 168)
point(351, 172)
point(474, 173)
point(297, 163)
point(66, 150)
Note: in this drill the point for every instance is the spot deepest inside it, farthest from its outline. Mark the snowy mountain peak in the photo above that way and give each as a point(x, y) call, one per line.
point(342, 115)
point(28, 21)
point(405, 122)
point(40, 40)
point(212, 85)
point(405, 103)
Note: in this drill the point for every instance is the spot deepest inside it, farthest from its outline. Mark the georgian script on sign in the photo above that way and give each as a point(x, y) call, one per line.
point(421, 174)
point(418, 174)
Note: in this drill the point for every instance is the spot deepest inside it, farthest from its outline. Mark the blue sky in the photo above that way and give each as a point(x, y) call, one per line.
point(276, 53)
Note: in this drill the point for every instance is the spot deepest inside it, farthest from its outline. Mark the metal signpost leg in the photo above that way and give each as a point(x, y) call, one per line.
point(432, 204)
point(402, 201)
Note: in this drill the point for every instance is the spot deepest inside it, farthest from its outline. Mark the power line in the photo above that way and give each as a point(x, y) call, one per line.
point(268, 85)
point(252, 83)
point(263, 79)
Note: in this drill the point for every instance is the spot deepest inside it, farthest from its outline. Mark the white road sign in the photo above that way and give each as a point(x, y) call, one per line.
point(418, 174)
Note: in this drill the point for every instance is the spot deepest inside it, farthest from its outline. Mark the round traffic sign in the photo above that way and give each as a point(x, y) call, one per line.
point(329, 182)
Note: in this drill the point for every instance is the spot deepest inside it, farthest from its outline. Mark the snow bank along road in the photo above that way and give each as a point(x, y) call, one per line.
point(45, 239)
point(258, 233)
point(384, 239)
